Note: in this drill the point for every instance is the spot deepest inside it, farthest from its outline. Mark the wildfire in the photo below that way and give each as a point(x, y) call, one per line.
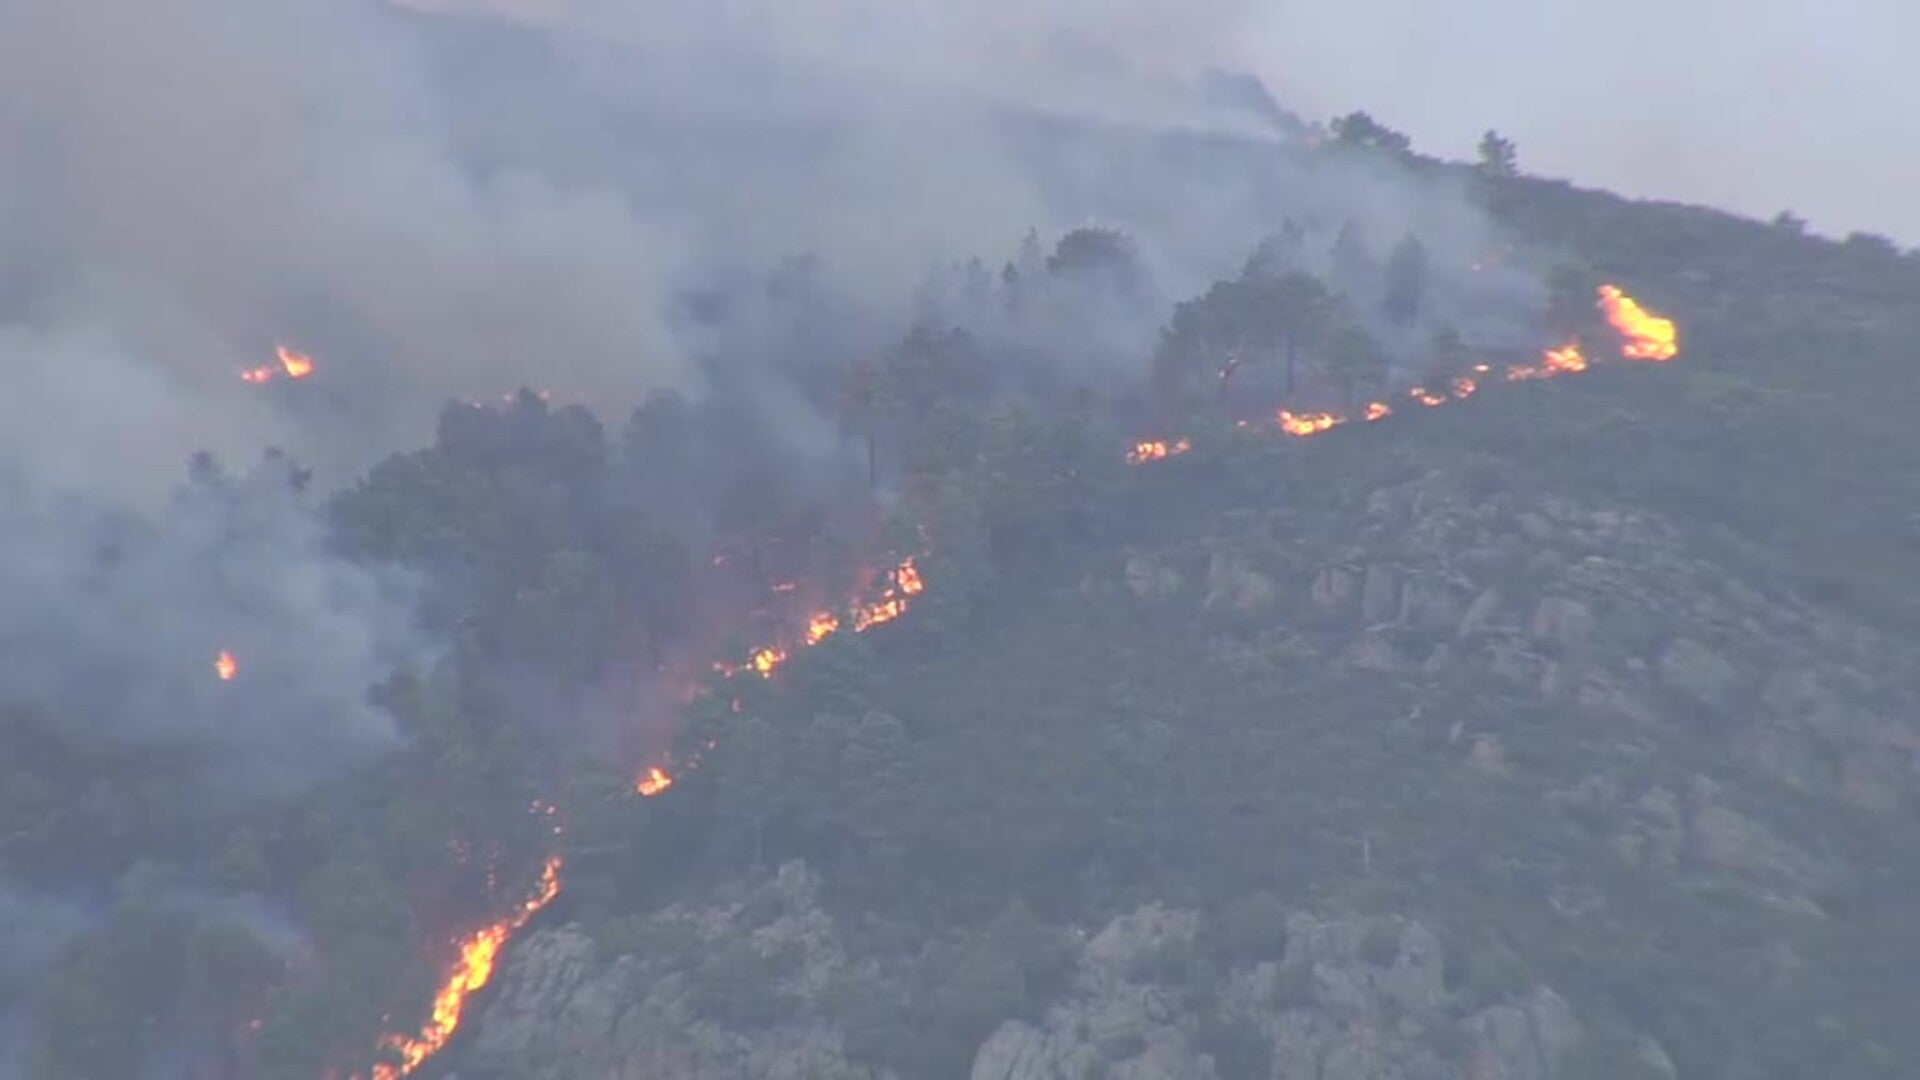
point(654, 781)
point(478, 951)
point(1307, 423)
point(294, 365)
point(892, 602)
point(1648, 336)
point(1565, 360)
point(225, 666)
point(1154, 450)
point(1644, 337)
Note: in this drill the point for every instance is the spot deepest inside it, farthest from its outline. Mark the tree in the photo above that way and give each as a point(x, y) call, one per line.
point(862, 401)
point(876, 783)
point(1361, 131)
point(1788, 222)
point(1278, 254)
point(1498, 156)
point(1356, 365)
point(1406, 281)
point(1352, 262)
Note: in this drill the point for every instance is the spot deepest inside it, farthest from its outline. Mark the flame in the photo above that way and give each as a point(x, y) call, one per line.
point(1565, 360)
point(904, 583)
point(225, 666)
point(654, 781)
point(293, 364)
point(1648, 336)
point(1305, 424)
point(1155, 450)
point(297, 365)
point(822, 624)
point(892, 602)
point(478, 951)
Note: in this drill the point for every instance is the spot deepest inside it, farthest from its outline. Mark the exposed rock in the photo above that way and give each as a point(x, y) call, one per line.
point(560, 1012)
point(1336, 591)
point(1565, 624)
point(1151, 581)
point(1524, 1040)
point(1481, 614)
point(1725, 838)
point(1380, 596)
point(1233, 586)
point(1431, 604)
point(1692, 669)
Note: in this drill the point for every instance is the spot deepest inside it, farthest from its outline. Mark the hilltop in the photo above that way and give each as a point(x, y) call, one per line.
point(1565, 732)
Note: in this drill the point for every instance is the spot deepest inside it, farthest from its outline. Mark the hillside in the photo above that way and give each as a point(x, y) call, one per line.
point(1565, 732)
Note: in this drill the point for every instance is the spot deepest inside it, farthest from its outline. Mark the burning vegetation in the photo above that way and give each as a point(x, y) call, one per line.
point(886, 596)
point(1645, 338)
point(473, 969)
point(289, 364)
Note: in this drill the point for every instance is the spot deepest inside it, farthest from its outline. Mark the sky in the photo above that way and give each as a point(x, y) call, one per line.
point(1753, 107)
point(1758, 107)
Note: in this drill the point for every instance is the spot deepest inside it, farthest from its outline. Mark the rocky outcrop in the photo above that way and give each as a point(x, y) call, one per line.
point(1353, 999)
point(731, 990)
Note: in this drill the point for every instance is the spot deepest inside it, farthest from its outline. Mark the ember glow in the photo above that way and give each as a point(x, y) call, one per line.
point(292, 365)
point(1645, 337)
point(478, 951)
point(1154, 450)
point(225, 666)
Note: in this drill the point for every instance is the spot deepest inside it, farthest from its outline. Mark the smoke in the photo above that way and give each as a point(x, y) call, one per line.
point(112, 621)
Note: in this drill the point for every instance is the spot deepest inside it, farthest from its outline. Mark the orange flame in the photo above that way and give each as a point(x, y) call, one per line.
point(892, 602)
point(654, 781)
point(1648, 336)
point(478, 951)
point(297, 365)
point(225, 666)
point(1565, 360)
point(822, 624)
point(1155, 450)
point(1305, 424)
point(292, 364)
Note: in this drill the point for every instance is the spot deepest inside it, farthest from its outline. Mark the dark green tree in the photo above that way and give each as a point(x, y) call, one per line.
point(1498, 156)
point(1360, 130)
point(1406, 281)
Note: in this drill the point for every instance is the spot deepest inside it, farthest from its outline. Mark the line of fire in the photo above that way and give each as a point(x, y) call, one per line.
point(882, 596)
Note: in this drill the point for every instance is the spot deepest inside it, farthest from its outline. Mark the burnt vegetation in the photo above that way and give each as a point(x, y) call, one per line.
point(1122, 685)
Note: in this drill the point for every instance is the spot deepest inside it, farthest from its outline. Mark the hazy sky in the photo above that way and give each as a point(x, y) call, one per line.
point(1757, 106)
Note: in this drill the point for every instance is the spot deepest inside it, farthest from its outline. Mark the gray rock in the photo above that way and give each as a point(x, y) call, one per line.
point(1233, 586)
point(1524, 1040)
point(1151, 581)
point(1480, 614)
point(1336, 591)
point(1563, 623)
point(1380, 597)
point(1693, 670)
point(1431, 604)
